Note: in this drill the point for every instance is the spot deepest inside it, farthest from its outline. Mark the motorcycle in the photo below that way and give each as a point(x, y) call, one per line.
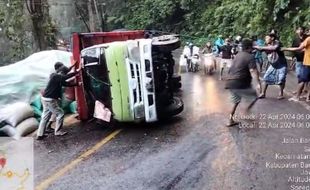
point(194, 63)
point(209, 64)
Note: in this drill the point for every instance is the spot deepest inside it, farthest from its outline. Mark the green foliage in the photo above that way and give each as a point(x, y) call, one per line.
point(202, 20)
point(12, 22)
point(19, 31)
point(195, 20)
point(47, 26)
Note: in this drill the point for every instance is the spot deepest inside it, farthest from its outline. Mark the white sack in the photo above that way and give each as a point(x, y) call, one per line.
point(15, 113)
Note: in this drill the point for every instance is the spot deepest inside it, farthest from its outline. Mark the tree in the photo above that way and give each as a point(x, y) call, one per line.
point(17, 35)
point(23, 32)
point(202, 20)
point(43, 28)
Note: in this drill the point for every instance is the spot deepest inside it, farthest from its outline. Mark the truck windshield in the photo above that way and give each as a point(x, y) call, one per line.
point(96, 79)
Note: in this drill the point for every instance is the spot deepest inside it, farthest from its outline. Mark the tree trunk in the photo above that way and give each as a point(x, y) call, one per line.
point(41, 28)
point(39, 38)
point(99, 16)
point(91, 15)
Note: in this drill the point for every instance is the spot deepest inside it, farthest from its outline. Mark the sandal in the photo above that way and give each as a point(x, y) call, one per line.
point(233, 123)
point(49, 130)
point(262, 96)
point(294, 99)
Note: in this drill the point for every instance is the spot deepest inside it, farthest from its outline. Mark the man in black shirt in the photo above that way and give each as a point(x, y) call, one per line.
point(226, 60)
point(237, 45)
point(299, 56)
point(50, 100)
point(240, 77)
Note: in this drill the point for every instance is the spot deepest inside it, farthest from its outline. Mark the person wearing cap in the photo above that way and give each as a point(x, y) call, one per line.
point(239, 80)
point(304, 76)
point(50, 100)
point(277, 70)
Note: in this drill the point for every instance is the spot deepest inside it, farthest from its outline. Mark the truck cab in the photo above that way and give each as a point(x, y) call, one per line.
point(130, 77)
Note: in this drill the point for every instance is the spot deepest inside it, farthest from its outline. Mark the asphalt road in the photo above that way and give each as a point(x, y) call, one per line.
point(191, 151)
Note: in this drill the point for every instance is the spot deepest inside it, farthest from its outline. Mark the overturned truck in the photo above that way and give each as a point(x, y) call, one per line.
point(130, 72)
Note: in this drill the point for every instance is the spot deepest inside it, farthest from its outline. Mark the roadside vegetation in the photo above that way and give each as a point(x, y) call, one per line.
point(198, 21)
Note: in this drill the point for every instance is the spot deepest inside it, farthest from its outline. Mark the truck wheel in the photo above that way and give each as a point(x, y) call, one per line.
point(166, 43)
point(175, 107)
point(176, 78)
point(178, 86)
point(174, 85)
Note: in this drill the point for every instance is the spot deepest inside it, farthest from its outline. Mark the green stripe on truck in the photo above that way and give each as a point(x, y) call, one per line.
point(115, 57)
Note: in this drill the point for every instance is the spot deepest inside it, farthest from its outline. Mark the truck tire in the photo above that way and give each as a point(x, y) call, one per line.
point(175, 86)
point(174, 108)
point(178, 86)
point(176, 78)
point(166, 43)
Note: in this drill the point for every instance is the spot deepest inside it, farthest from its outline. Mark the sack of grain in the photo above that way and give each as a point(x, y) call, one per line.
point(15, 113)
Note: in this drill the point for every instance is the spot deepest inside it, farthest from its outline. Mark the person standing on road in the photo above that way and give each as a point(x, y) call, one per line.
point(239, 80)
point(277, 70)
point(226, 60)
point(50, 100)
point(258, 54)
point(299, 56)
point(237, 47)
point(66, 70)
point(304, 76)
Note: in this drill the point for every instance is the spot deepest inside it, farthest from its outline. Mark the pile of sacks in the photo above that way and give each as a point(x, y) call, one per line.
point(20, 95)
point(18, 120)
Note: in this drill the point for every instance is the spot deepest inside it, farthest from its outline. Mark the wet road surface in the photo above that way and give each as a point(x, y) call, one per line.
point(191, 151)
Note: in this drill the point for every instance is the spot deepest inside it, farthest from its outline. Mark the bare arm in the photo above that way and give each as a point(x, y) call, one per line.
point(267, 48)
point(300, 48)
point(70, 75)
point(72, 66)
point(255, 75)
point(67, 84)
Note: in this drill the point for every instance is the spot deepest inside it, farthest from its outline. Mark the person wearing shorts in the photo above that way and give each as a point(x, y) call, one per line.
point(258, 54)
point(300, 37)
point(248, 94)
point(299, 56)
point(239, 80)
point(225, 63)
point(226, 60)
point(304, 77)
